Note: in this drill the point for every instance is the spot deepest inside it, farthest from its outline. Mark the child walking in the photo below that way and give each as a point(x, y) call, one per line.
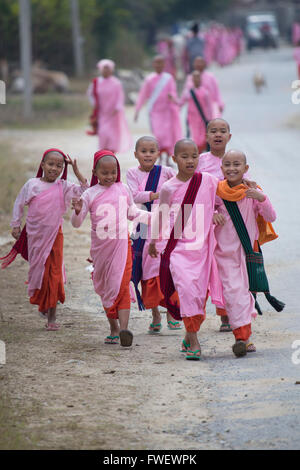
point(41, 240)
point(110, 205)
point(199, 111)
point(145, 182)
point(229, 252)
point(186, 268)
point(217, 136)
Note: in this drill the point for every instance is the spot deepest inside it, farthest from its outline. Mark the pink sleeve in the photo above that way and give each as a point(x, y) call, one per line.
point(143, 95)
point(184, 97)
point(139, 197)
point(160, 220)
point(18, 210)
point(90, 94)
point(136, 214)
point(120, 98)
point(76, 220)
point(265, 209)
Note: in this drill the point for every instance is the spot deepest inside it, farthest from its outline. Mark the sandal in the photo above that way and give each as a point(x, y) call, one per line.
point(184, 346)
point(175, 325)
point(154, 328)
point(250, 347)
point(111, 339)
point(52, 326)
point(193, 355)
point(225, 327)
point(239, 348)
point(126, 338)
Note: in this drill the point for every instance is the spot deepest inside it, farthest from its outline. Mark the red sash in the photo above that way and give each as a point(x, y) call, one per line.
point(94, 116)
point(165, 276)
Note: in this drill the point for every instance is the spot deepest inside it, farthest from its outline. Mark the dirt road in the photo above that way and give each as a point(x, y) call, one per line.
point(68, 390)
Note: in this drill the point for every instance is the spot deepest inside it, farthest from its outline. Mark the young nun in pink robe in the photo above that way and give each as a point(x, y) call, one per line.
point(191, 263)
point(229, 252)
point(147, 153)
point(158, 90)
point(41, 240)
point(196, 123)
point(107, 96)
point(110, 205)
point(209, 81)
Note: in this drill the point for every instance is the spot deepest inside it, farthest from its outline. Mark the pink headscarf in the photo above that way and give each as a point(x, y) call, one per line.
point(21, 245)
point(100, 154)
point(106, 62)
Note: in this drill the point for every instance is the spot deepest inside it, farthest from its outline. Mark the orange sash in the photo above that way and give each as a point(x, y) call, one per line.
point(266, 230)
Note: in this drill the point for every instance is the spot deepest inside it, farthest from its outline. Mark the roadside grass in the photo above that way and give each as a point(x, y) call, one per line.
point(50, 111)
point(12, 176)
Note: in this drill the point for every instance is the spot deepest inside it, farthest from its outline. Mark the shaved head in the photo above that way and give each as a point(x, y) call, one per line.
point(146, 138)
point(235, 155)
point(180, 143)
point(216, 121)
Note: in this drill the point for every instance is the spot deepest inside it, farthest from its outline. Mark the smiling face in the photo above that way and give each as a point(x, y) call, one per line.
point(218, 135)
point(147, 152)
point(234, 166)
point(52, 166)
point(186, 156)
point(106, 171)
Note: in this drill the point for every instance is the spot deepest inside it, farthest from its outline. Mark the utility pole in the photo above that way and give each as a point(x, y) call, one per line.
point(77, 39)
point(26, 59)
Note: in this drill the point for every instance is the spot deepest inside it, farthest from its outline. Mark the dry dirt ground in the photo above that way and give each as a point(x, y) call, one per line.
point(68, 390)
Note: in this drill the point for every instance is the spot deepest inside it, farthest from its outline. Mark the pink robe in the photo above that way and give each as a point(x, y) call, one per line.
point(113, 130)
point(163, 113)
point(136, 180)
point(47, 203)
point(192, 264)
point(209, 81)
point(196, 124)
point(109, 208)
point(230, 257)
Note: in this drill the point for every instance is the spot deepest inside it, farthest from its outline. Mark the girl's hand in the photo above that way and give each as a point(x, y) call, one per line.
point(249, 184)
point(255, 194)
point(154, 196)
point(77, 205)
point(16, 232)
point(219, 219)
point(77, 173)
point(152, 250)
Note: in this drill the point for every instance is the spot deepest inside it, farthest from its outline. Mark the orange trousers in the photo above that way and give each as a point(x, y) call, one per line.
point(243, 332)
point(122, 301)
point(52, 289)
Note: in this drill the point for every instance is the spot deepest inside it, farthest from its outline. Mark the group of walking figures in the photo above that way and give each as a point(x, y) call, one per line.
point(201, 93)
point(197, 229)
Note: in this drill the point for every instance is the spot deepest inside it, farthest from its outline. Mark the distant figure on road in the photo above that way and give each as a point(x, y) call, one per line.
point(199, 111)
point(209, 81)
point(194, 47)
point(107, 97)
point(159, 90)
point(297, 57)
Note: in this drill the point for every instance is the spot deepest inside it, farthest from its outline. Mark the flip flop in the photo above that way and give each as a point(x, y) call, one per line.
point(239, 348)
point(154, 328)
point(184, 345)
point(174, 323)
point(193, 355)
point(250, 347)
point(111, 340)
point(52, 326)
point(126, 338)
point(225, 327)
